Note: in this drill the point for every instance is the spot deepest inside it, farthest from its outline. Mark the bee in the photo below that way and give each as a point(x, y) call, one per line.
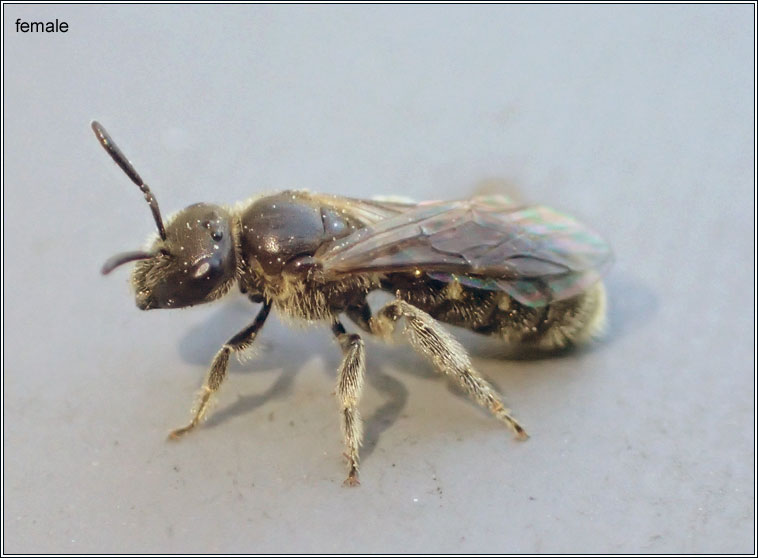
point(528, 275)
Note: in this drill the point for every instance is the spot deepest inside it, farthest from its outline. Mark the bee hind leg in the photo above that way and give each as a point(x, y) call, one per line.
point(217, 372)
point(447, 355)
point(349, 388)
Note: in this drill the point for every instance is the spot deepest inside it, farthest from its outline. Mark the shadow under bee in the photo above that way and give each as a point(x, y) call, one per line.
point(282, 349)
point(290, 353)
point(633, 304)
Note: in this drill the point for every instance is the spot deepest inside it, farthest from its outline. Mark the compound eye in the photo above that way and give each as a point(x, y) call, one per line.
point(217, 235)
point(202, 270)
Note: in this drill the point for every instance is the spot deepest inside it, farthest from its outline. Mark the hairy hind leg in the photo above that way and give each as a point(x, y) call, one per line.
point(349, 388)
point(447, 355)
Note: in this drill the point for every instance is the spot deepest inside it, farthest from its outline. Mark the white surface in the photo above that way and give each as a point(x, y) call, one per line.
point(638, 119)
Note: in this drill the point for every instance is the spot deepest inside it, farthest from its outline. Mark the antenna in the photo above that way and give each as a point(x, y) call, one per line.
point(123, 258)
point(110, 146)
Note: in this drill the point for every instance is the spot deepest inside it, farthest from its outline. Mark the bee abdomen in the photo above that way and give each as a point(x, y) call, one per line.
point(561, 324)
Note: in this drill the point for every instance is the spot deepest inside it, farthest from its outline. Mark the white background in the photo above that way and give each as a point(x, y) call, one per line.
point(638, 119)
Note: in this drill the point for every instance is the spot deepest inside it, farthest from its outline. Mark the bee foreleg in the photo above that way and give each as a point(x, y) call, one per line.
point(349, 387)
point(446, 354)
point(217, 372)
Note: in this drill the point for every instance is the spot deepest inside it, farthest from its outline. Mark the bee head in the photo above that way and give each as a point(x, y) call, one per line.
point(193, 259)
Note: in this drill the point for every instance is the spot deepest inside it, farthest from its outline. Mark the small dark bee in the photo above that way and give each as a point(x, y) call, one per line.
point(528, 275)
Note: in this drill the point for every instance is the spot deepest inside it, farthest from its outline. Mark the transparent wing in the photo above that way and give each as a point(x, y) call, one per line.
point(366, 211)
point(535, 254)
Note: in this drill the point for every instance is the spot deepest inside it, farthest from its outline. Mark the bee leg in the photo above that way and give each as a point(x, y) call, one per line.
point(217, 372)
point(349, 387)
point(360, 314)
point(447, 355)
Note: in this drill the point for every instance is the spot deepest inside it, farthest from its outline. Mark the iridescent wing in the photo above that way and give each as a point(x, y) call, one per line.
point(535, 254)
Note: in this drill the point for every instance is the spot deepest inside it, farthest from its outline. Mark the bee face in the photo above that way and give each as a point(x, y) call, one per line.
point(196, 262)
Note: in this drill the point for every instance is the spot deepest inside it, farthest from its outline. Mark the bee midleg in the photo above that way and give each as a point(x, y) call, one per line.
point(349, 387)
point(217, 372)
point(449, 357)
point(360, 314)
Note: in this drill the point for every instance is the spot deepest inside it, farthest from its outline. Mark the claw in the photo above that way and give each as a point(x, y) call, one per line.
point(521, 435)
point(352, 479)
point(179, 432)
point(352, 476)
